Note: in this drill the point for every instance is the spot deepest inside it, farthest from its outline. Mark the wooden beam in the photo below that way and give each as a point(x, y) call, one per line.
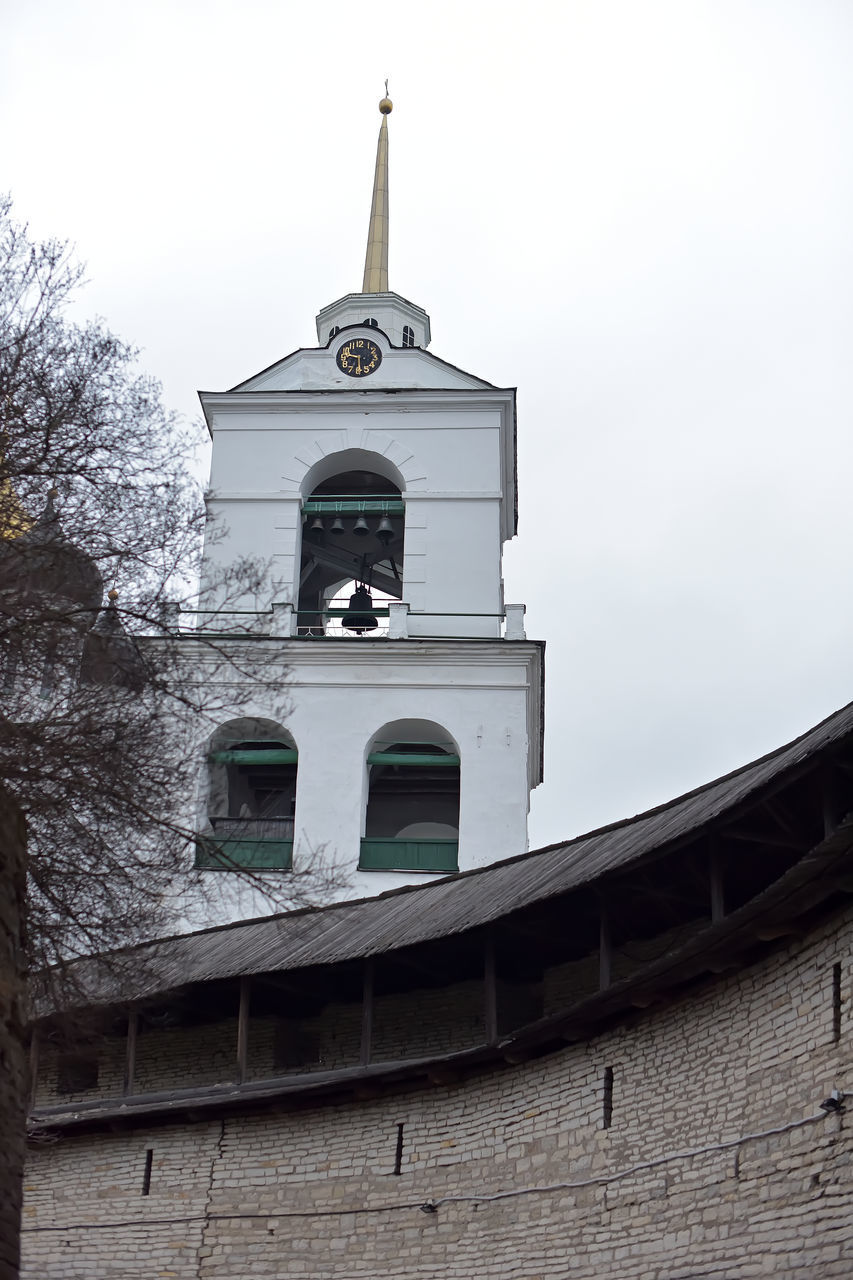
point(367, 1011)
point(771, 841)
point(715, 877)
point(307, 571)
point(243, 1028)
point(490, 989)
point(130, 1051)
point(777, 812)
point(770, 932)
point(350, 565)
point(829, 799)
point(605, 949)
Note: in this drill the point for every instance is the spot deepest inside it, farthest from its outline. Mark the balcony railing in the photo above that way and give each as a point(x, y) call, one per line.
point(282, 621)
point(256, 844)
point(385, 853)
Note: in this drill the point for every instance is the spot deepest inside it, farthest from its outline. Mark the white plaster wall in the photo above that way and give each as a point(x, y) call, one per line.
point(332, 733)
point(451, 466)
point(452, 567)
point(339, 699)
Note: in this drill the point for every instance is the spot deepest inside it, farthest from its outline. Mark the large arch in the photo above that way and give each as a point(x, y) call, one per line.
point(251, 765)
point(353, 537)
point(342, 460)
point(411, 817)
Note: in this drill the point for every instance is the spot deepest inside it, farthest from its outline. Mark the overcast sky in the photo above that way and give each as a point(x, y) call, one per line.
point(638, 212)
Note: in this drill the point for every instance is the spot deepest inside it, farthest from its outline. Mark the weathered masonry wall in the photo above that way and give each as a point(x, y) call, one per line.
point(313, 1193)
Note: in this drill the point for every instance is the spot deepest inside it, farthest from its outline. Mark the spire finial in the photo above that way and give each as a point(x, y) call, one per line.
point(376, 258)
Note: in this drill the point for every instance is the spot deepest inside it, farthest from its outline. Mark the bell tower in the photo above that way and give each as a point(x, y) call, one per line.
point(379, 483)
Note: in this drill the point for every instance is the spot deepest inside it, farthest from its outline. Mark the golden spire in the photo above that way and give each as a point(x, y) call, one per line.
point(376, 258)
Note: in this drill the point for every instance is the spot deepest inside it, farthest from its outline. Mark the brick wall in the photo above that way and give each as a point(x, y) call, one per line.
point(743, 1054)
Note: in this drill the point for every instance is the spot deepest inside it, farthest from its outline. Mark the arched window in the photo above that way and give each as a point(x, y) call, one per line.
point(335, 329)
point(412, 815)
point(353, 537)
point(408, 336)
point(374, 324)
point(252, 767)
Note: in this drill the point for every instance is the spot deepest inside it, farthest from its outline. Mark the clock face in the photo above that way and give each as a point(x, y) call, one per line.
point(358, 357)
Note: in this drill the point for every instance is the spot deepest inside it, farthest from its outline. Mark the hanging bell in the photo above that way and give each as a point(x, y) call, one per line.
point(316, 530)
point(385, 532)
point(360, 528)
point(360, 618)
point(337, 526)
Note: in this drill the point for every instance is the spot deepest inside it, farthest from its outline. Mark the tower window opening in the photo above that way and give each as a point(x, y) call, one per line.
point(607, 1098)
point(836, 1002)
point(408, 336)
point(353, 537)
point(412, 819)
point(252, 805)
point(146, 1174)
point(335, 329)
point(374, 324)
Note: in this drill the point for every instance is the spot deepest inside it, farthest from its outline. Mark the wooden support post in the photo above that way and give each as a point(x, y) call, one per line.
point(490, 992)
point(130, 1052)
point(605, 950)
point(715, 878)
point(34, 1066)
point(243, 1028)
point(367, 1012)
point(829, 800)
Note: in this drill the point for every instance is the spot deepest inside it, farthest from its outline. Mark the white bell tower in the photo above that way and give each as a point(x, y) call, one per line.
point(379, 482)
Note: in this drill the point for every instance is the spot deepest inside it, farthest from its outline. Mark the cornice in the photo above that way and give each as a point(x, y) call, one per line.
point(381, 399)
point(414, 651)
point(409, 496)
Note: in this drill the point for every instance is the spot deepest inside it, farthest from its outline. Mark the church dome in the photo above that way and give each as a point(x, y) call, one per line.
point(110, 656)
point(43, 562)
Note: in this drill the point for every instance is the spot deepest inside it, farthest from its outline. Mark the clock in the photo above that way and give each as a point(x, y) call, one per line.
point(358, 357)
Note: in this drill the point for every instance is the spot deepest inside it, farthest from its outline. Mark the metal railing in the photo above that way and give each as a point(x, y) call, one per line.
point(282, 621)
point(253, 828)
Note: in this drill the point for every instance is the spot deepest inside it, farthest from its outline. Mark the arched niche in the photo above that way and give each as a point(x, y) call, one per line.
point(353, 534)
point(413, 792)
point(252, 766)
point(351, 460)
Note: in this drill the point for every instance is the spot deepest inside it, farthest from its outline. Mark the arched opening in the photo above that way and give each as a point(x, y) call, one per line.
point(251, 797)
point(412, 814)
point(408, 336)
point(353, 537)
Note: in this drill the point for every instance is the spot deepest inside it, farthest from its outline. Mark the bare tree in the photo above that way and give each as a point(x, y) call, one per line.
point(97, 703)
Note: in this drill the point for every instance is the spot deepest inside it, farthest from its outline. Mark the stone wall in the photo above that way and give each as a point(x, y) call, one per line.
point(672, 1189)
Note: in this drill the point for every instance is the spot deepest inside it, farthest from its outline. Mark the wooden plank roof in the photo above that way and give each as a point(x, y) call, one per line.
point(406, 917)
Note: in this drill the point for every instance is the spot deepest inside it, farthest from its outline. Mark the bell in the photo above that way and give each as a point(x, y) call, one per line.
point(360, 527)
point(316, 530)
point(385, 532)
point(337, 526)
point(359, 618)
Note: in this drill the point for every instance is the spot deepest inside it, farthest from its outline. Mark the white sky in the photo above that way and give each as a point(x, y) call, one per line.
point(637, 211)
